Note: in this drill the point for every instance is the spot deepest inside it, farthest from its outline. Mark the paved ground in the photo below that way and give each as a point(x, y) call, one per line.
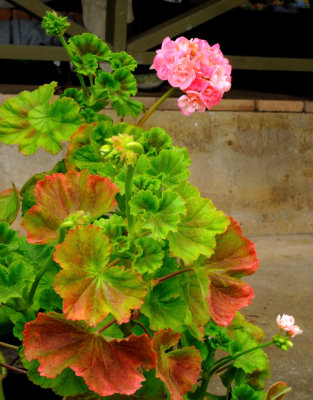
point(283, 285)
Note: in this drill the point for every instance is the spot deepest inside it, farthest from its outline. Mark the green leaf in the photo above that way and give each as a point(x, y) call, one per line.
point(128, 107)
point(170, 167)
point(75, 94)
point(162, 215)
point(88, 43)
point(15, 276)
point(64, 384)
point(218, 336)
point(9, 205)
point(119, 85)
point(86, 64)
point(155, 140)
point(250, 362)
point(149, 255)
point(31, 121)
point(195, 288)
point(166, 307)
point(245, 392)
point(6, 235)
point(122, 59)
point(197, 230)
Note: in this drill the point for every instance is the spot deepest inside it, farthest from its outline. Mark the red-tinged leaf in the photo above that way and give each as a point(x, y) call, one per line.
point(277, 391)
point(78, 140)
point(178, 369)
point(60, 195)
point(234, 254)
point(9, 205)
point(226, 296)
point(107, 366)
point(234, 257)
point(90, 288)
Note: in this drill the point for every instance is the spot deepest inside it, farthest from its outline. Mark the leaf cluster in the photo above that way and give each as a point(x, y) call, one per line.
point(129, 281)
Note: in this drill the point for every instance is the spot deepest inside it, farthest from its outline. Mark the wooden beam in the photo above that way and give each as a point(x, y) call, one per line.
point(116, 24)
point(39, 9)
point(182, 23)
point(26, 52)
point(271, 63)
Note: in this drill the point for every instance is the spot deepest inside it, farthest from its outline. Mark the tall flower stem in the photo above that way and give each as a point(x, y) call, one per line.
point(47, 264)
point(128, 194)
point(201, 392)
point(156, 105)
point(71, 56)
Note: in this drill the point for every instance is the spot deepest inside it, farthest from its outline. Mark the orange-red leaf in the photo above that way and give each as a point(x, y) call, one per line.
point(90, 288)
point(60, 195)
point(107, 366)
point(178, 369)
point(277, 391)
point(234, 256)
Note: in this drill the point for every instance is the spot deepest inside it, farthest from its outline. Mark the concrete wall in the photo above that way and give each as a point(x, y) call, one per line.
point(255, 166)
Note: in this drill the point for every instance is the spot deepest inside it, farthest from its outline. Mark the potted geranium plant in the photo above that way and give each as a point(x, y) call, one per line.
point(129, 281)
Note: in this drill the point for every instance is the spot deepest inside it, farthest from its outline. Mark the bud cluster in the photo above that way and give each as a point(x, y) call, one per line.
point(282, 342)
point(121, 149)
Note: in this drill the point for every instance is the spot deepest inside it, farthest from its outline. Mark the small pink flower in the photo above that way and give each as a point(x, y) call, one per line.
point(211, 95)
point(287, 323)
point(191, 103)
point(181, 74)
point(294, 330)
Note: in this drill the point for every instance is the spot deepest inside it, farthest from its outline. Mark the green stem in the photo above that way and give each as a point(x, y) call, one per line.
point(40, 274)
point(219, 364)
point(2, 397)
point(8, 346)
point(80, 77)
point(47, 265)
point(155, 106)
point(128, 194)
point(164, 278)
point(92, 89)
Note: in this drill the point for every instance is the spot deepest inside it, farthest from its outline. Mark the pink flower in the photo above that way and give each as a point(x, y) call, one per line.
point(287, 323)
point(181, 74)
point(198, 69)
point(191, 103)
point(211, 95)
point(294, 330)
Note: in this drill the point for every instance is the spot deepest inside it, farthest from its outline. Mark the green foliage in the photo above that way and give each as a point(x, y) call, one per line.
point(129, 282)
point(9, 205)
point(31, 121)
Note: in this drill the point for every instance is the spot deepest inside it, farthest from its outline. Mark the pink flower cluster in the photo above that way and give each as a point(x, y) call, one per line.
point(287, 323)
point(197, 68)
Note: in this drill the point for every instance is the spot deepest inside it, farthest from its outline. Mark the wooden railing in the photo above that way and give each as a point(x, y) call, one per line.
point(138, 46)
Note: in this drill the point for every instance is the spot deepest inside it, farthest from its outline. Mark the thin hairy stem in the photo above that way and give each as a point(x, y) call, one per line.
point(8, 346)
point(107, 326)
point(128, 194)
point(143, 327)
point(80, 77)
point(164, 278)
point(22, 371)
point(155, 106)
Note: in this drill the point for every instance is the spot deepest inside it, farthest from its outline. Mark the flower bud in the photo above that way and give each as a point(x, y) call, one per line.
point(54, 25)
